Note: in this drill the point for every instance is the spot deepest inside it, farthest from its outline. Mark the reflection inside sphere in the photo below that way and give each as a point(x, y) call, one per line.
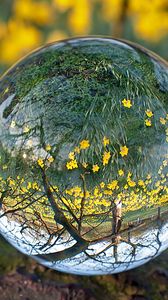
point(84, 155)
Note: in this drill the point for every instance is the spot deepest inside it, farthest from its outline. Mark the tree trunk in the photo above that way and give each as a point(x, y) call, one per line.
point(116, 225)
point(116, 221)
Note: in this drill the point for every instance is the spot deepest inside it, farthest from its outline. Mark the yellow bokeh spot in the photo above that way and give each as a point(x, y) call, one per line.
point(19, 40)
point(37, 12)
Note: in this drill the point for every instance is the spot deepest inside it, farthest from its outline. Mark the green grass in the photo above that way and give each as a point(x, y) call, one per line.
point(143, 213)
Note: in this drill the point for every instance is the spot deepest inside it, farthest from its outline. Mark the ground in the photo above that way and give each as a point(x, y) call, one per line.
point(21, 278)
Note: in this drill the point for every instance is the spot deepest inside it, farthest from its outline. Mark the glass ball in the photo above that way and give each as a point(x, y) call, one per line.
point(84, 155)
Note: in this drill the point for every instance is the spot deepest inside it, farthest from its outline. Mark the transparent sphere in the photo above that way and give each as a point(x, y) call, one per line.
point(84, 155)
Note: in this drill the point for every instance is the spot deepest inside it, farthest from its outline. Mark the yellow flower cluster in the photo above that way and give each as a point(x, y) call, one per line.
point(106, 157)
point(72, 164)
point(40, 162)
point(113, 185)
point(134, 195)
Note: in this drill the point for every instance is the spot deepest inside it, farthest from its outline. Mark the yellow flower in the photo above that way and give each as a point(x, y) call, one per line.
point(85, 165)
point(95, 168)
point(29, 185)
point(113, 185)
point(131, 183)
point(24, 189)
point(162, 121)
point(141, 182)
point(77, 190)
point(48, 147)
point(11, 182)
point(106, 141)
point(72, 164)
point(35, 186)
point(106, 157)
point(71, 155)
point(148, 122)
point(149, 113)
point(84, 144)
point(165, 163)
point(129, 174)
point(26, 129)
point(51, 189)
point(77, 150)
point(148, 176)
point(127, 103)
point(120, 172)
point(102, 184)
point(107, 192)
point(40, 163)
point(123, 151)
point(50, 159)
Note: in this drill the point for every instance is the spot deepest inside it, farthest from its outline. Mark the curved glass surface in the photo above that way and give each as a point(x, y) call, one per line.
point(84, 155)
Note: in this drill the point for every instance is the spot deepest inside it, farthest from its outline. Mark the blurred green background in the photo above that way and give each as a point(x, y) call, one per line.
point(28, 24)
